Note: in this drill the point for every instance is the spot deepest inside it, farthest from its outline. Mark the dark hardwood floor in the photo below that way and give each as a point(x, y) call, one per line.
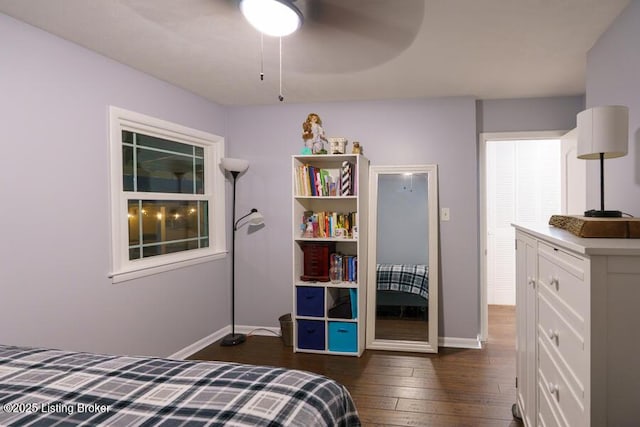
point(456, 387)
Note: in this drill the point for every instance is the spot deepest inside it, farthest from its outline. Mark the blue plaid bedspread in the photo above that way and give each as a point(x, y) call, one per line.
point(42, 387)
point(413, 279)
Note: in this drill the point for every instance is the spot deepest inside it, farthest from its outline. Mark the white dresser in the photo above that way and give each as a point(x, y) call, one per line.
point(578, 329)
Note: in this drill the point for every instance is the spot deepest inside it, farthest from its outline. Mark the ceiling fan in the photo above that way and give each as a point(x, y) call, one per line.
point(331, 37)
point(348, 35)
point(336, 36)
point(361, 21)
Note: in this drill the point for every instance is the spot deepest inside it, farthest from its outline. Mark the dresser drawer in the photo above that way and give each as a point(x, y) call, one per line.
point(564, 341)
point(547, 410)
point(564, 275)
point(553, 386)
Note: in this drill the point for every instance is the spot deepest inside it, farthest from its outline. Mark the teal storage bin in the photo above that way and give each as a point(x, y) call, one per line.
point(343, 336)
point(353, 295)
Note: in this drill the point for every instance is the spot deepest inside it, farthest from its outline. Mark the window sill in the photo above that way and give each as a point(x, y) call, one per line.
point(127, 275)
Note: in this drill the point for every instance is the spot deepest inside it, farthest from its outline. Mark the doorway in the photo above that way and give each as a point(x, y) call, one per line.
point(520, 182)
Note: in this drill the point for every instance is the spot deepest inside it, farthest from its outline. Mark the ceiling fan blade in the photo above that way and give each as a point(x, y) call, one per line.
point(339, 35)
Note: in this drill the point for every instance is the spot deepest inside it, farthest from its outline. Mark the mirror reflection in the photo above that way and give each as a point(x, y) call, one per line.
point(402, 260)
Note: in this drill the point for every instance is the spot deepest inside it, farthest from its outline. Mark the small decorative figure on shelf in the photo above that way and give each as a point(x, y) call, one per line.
point(308, 229)
point(337, 145)
point(357, 149)
point(313, 135)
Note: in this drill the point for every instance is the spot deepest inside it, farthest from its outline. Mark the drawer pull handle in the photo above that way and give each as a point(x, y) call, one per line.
point(553, 388)
point(553, 281)
point(531, 281)
point(553, 335)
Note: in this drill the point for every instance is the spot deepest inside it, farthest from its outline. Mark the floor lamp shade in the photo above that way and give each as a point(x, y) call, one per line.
point(603, 133)
point(234, 165)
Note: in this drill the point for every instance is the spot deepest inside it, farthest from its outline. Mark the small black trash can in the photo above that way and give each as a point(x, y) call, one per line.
point(286, 328)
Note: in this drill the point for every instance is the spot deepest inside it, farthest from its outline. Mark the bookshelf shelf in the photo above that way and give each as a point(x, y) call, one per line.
point(328, 284)
point(324, 239)
point(329, 203)
point(327, 197)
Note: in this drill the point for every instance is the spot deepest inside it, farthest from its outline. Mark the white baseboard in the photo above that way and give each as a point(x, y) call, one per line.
point(459, 342)
point(219, 334)
point(200, 344)
point(275, 331)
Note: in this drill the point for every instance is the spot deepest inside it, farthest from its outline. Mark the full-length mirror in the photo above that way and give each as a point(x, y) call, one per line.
point(402, 297)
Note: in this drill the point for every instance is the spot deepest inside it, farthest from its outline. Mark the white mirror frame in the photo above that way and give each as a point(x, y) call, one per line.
point(430, 346)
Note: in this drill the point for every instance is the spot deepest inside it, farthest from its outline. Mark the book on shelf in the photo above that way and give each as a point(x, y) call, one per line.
point(313, 181)
point(326, 224)
point(348, 266)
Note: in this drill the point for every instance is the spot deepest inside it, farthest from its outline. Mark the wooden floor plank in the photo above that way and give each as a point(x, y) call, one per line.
point(456, 387)
point(454, 408)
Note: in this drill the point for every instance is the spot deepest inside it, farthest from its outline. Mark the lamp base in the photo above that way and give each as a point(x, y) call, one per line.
point(233, 339)
point(602, 214)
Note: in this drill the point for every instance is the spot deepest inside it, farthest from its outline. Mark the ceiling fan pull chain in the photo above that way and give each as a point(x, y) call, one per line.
point(280, 97)
point(261, 56)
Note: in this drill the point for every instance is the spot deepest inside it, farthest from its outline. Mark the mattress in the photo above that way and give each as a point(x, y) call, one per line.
point(44, 387)
point(407, 278)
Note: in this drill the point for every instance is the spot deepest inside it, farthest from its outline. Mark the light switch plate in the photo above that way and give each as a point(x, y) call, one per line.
point(444, 214)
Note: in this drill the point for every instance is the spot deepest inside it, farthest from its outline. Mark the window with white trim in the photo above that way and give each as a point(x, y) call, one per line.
point(167, 195)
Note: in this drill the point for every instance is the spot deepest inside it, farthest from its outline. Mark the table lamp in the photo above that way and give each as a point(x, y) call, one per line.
point(603, 133)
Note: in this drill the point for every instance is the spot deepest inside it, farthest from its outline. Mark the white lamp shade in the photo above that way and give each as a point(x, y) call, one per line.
point(277, 18)
point(256, 218)
point(234, 165)
point(603, 130)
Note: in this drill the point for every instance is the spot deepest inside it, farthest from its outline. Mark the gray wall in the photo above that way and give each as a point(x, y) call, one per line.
point(54, 188)
point(613, 78)
point(441, 131)
point(528, 114)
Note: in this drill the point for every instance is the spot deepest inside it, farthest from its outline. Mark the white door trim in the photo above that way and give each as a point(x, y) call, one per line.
point(483, 138)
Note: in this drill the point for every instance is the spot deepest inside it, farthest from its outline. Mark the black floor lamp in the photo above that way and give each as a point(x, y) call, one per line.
point(236, 167)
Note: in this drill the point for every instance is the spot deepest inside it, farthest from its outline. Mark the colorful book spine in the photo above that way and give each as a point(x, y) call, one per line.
point(307, 184)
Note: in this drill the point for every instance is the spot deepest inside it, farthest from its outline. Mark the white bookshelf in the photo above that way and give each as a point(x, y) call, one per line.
point(318, 331)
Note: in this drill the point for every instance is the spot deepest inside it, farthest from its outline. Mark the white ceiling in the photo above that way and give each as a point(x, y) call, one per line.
point(346, 49)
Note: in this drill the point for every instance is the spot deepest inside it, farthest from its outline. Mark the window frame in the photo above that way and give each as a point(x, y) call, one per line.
point(124, 269)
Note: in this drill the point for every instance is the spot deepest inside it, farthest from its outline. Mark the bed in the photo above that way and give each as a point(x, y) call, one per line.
point(402, 285)
point(46, 387)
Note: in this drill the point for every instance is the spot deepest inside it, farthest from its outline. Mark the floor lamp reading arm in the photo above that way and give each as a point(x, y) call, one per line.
point(235, 225)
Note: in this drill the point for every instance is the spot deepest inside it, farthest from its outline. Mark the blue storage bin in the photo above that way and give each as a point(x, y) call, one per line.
point(310, 301)
point(343, 336)
point(311, 334)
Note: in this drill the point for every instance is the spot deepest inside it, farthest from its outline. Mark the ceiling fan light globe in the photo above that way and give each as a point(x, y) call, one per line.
point(277, 18)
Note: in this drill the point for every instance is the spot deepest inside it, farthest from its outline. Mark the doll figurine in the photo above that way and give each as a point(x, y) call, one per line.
point(357, 149)
point(313, 135)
